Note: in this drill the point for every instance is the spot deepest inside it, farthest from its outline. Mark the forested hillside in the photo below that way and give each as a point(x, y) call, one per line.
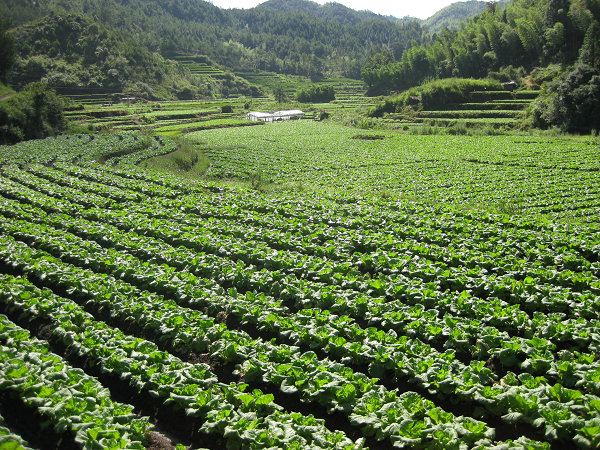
point(133, 45)
point(283, 42)
point(331, 10)
point(449, 17)
point(452, 16)
point(128, 45)
point(72, 51)
point(527, 33)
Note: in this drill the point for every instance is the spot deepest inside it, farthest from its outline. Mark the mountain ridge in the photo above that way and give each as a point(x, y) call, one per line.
point(448, 17)
point(330, 10)
point(452, 15)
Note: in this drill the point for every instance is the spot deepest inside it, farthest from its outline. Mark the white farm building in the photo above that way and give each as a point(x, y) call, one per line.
point(275, 116)
point(256, 116)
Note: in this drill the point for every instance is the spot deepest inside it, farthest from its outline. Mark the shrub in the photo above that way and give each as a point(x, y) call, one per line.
point(571, 102)
point(34, 113)
point(259, 180)
point(459, 129)
point(316, 94)
point(549, 73)
point(508, 73)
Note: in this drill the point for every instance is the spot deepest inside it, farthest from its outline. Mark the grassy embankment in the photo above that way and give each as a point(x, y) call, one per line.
point(187, 161)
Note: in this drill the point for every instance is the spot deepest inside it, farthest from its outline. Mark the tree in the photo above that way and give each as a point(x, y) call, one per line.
point(279, 94)
point(7, 50)
point(555, 39)
point(378, 60)
point(491, 6)
point(556, 11)
point(417, 59)
point(529, 35)
point(571, 102)
point(316, 94)
point(371, 72)
point(34, 113)
point(590, 50)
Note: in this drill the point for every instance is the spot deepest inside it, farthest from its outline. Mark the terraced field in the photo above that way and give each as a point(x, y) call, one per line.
point(199, 66)
point(497, 109)
point(178, 117)
point(271, 80)
point(162, 118)
point(136, 306)
point(348, 92)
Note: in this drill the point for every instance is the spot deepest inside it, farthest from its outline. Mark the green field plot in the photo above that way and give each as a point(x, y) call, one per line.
point(511, 105)
point(487, 96)
point(92, 97)
point(471, 114)
point(270, 81)
point(136, 305)
point(471, 122)
point(200, 68)
point(205, 125)
point(533, 175)
point(346, 90)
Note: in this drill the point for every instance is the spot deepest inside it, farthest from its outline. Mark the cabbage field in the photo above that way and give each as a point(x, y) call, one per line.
point(141, 311)
point(553, 177)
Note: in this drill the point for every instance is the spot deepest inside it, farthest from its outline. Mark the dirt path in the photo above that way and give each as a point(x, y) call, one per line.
point(6, 97)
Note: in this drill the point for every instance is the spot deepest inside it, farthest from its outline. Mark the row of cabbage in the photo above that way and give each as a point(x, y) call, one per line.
point(357, 304)
point(239, 418)
point(68, 397)
point(244, 418)
point(318, 380)
point(558, 178)
point(441, 373)
point(117, 149)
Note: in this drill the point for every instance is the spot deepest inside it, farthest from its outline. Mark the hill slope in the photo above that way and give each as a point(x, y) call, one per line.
point(128, 44)
point(525, 34)
point(452, 15)
point(75, 54)
point(332, 11)
point(449, 17)
point(283, 42)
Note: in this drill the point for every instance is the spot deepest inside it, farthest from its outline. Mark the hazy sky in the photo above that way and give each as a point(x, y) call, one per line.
point(399, 8)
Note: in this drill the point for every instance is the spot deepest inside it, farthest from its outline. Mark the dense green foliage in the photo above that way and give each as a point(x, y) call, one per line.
point(316, 94)
point(331, 11)
point(526, 33)
point(571, 102)
point(33, 113)
point(73, 53)
point(300, 38)
point(36, 112)
point(7, 50)
point(282, 42)
point(589, 53)
point(449, 17)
